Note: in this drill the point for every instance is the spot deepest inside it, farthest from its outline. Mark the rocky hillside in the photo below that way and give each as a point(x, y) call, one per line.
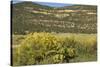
point(32, 17)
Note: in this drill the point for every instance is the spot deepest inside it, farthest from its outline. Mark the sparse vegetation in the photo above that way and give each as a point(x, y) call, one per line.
point(38, 18)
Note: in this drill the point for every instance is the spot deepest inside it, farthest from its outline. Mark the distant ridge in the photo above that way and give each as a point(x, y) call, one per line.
point(81, 7)
point(30, 4)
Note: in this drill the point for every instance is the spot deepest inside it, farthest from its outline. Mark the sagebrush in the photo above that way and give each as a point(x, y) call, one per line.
point(50, 48)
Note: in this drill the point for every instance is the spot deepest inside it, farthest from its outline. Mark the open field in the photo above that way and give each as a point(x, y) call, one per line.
point(51, 48)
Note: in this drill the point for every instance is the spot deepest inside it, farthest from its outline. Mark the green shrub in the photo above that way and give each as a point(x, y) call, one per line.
point(44, 48)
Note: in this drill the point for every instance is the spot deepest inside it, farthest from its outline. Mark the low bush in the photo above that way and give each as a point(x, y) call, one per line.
point(43, 48)
point(49, 48)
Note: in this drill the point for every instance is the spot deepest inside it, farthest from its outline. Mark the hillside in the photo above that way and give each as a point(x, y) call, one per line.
point(33, 17)
point(81, 7)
